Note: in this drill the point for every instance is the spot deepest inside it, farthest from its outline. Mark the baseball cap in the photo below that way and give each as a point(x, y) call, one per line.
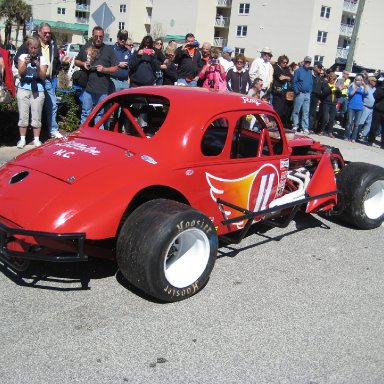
point(318, 64)
point(228, 49)
point(122, 34)
point(308, 59)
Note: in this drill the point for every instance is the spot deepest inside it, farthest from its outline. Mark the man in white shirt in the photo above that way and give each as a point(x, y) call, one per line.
point(262, 68)
point(225, 60)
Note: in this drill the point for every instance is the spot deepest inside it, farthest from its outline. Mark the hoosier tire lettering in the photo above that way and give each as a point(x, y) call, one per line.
point(178, 260)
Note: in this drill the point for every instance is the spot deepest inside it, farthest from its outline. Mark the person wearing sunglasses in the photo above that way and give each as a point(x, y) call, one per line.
point(282, 89)
point(123, 55)
point(99, 61)
point(238, 79)
point(49, 49)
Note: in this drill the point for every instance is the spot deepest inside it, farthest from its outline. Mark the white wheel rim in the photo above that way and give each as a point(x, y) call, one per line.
point(374, 200)
point(187, 258)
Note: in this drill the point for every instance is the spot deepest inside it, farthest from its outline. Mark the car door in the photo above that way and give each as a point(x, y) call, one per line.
point(246, 164)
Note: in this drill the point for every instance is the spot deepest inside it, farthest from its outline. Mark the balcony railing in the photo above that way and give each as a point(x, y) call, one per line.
point(149, 4)
point(342, 53)
point(222, 21)
point(219, 42)
point(346, 30)
point(224, 3)
point(350, 6)
point(83, 7)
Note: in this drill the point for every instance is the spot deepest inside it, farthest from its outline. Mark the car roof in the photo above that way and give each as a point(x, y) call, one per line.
point(195, 99)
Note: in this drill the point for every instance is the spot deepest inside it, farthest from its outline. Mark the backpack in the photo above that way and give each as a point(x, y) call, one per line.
point(213, 79)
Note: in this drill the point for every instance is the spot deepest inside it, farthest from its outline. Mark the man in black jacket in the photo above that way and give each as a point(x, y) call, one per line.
point(378, 116)
point(188, 59)
point(317, 87)
point(48, 49)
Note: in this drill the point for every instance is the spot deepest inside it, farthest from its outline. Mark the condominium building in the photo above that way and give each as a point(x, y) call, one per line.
point(318, 28)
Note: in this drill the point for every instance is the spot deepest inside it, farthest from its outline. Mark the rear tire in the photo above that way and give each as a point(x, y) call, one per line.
point(167, 249)
point(362, 188)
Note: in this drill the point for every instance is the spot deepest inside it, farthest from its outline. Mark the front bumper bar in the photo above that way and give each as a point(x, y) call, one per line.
point(45, 246)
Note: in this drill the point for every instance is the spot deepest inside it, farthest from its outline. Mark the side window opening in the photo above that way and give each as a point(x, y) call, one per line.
point(214, 138)
point(134, 115)
point(256, 135)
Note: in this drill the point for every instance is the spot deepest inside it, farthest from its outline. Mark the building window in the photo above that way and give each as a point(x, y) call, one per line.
point(123, 8)
point(239, 50)
point(350, 21)
point(241, 31)
point(81, 15)
point(322, 37)
point(244, 9)
point(121, 25)
point(319, 58)
point(325, 12)
point(61, 11)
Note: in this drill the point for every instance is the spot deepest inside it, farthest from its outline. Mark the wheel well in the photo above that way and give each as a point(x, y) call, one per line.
point(151, 193)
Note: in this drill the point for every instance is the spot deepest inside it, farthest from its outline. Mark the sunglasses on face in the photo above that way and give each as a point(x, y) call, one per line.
point(129, 45)
point(98, 37)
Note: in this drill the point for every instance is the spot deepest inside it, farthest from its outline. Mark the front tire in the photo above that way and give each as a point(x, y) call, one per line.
point(167, 249)
point(362, 189)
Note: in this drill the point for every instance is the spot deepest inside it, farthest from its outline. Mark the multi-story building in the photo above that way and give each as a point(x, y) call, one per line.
point(319, 28)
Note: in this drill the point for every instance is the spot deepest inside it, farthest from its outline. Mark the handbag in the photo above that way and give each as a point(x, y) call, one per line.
point(5, 96)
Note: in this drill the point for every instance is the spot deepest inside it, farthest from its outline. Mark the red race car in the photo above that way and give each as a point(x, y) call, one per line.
point(162, 176)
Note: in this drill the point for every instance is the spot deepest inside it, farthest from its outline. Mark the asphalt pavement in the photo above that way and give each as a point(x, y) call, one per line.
point(299, 305)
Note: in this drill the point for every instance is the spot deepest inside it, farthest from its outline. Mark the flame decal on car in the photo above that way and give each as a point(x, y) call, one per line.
point(253, 192)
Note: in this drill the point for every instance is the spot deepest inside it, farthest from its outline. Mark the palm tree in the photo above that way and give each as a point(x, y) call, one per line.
point(15, 12)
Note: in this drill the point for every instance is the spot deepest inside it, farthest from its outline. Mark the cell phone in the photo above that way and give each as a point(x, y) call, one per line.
point(93, 67)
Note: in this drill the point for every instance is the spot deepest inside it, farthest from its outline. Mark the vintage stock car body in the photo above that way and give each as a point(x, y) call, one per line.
point(162, 176)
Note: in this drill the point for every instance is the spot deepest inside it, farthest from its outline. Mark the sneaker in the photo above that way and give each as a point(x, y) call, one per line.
point(295, 129)
point(306, 132)
point(56, 135)
point(20, 144)
point(331, 136)
point(37, 143)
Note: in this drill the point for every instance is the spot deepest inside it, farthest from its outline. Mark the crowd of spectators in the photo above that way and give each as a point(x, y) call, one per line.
point(305, 95)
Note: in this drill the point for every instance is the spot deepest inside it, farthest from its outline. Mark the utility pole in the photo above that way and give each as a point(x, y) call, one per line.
point(355, 31)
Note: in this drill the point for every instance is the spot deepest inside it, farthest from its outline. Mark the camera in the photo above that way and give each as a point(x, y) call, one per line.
point(194, 44)
point(147, 51)
point(213, 61)
point(33, 60)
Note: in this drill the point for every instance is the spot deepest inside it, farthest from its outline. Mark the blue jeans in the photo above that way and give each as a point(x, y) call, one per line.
point(89, 101)
point(343, 104)
point(366, 121)
point(119, 85)
point(301, 102)
point(353, 122)
point(50, 104)
point(192, 83)
point(329, 113)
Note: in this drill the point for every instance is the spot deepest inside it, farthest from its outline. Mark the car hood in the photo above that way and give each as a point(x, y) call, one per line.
point(64, 174)
point(72, 158)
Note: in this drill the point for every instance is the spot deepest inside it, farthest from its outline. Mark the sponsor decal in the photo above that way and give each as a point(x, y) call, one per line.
point(253, 192)
point(73, 145)
point(251, 100)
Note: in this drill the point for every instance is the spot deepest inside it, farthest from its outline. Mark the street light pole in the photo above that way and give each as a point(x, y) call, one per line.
point(355, 31)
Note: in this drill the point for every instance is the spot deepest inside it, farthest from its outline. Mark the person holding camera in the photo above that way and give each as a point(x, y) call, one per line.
point(30, 91)
point(47, 48)
point(356, 93)
point(189, 62)
point(213, 73)
point(100, 62)
point(144, 64)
